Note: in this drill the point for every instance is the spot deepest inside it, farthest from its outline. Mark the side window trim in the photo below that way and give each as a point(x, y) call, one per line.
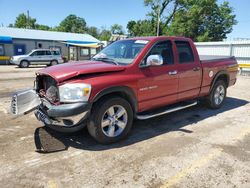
point(190, 49)
point(147, 54)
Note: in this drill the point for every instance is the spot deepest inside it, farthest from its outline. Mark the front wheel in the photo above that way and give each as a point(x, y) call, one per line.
point(111, 120)
point(217, 95)
point(24, 64)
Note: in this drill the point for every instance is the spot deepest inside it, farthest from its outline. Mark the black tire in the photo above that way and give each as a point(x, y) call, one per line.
point(212, 98)
point(97, 117)
point(24, 64)
point(53, 62)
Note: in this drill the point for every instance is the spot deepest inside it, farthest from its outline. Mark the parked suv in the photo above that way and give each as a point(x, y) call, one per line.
point(37, 57)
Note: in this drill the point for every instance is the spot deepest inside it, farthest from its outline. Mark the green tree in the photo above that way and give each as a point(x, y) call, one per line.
point(93, 31)
point(162, 13)
point(72, 24)
point(104, 35)
point(131, 27)
point(23, 21)
point(141, 28)
point(117, 29)
point(43, 27)
point(203, 20)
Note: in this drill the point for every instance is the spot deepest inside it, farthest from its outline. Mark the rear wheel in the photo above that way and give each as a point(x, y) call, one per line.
point(111, 120)
point(53, 62)
point(24, 64)
point(217, 95)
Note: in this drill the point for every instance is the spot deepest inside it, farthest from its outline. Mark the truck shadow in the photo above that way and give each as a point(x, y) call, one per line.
point(48, 141)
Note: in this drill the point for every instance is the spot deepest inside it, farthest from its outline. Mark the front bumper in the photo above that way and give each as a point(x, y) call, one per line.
point(14, 62)
point(65, 115)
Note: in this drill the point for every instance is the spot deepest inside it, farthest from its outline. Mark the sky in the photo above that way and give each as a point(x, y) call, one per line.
point(103, 13)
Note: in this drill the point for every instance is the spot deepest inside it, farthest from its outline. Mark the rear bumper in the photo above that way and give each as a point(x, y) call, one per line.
point(60, 61)
point(67, 116)
point(232, 82)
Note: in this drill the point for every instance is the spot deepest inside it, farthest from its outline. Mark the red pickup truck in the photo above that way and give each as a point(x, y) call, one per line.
point(133, 78)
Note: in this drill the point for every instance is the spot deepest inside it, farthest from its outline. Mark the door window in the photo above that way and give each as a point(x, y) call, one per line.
point(92, 51)
point(33, 54)
point(72, 53)
point(185, 52)
point(40, 53)
point(55, 52)
point(48, 52)
point(84, 52)
point(164, 49)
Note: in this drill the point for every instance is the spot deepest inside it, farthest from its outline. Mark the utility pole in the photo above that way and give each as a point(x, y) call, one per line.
point(158, 19)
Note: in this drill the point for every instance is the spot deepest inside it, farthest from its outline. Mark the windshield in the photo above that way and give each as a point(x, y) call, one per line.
point(121, 52)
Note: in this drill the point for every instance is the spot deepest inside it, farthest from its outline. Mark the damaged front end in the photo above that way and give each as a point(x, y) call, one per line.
point(45, 101)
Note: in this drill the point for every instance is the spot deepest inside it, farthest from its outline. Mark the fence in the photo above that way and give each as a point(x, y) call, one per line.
point(239, 49)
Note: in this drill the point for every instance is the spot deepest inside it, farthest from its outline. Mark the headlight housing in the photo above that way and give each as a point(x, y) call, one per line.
point(74, 92)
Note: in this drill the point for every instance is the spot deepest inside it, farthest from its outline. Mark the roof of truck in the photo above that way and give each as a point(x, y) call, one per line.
point(160, 37)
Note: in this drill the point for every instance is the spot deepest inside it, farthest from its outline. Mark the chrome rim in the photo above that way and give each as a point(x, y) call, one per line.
point(25, 63)
point(219, 95)
point(114, 121)
point(54, 63)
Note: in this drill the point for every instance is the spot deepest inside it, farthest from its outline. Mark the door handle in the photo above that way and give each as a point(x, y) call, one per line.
point(172, 72)
point(196, 69)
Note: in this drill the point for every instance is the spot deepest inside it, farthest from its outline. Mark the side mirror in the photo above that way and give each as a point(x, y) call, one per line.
point(154, 60)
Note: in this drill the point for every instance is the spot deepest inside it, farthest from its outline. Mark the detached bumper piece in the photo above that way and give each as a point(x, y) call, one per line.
point(66, 115)
point(24, 101)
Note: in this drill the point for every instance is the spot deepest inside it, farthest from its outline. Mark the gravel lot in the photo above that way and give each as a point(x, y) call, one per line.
point(196, 147)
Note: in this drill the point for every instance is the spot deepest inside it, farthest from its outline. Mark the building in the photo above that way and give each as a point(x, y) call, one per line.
point(73, 46)
point(116, 37)
point(238, 48)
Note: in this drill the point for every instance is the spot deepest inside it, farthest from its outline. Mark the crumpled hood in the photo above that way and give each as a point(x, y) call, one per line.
point(68, 70)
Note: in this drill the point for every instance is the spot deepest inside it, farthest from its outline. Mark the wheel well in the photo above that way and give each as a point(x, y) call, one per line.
point(224, 78)
point(118, 94)
point(53, 60)
point(24, 60)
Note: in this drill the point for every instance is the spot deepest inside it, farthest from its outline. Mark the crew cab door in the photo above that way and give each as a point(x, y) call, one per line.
point(158, 85)
point(189, 71)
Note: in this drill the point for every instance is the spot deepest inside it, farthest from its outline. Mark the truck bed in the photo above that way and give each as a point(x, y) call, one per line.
point(209, 58)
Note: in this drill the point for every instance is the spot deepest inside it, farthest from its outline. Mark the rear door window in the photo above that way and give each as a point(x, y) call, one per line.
point(55, 52)
point(48, 52)
point(185, 52)
point(40, 53)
